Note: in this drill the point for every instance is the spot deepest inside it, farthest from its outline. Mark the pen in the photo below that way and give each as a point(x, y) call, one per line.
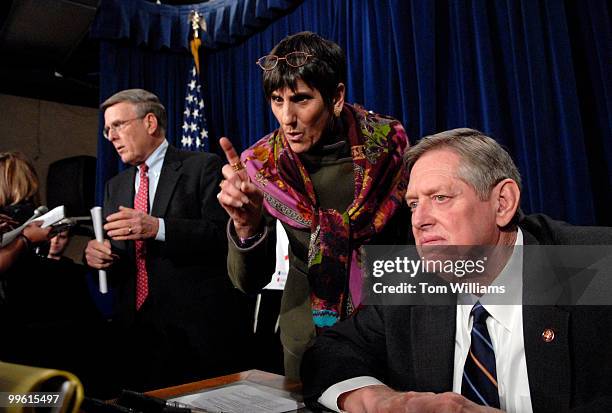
point(91, 405)
point(189, 407)
point(180, 405)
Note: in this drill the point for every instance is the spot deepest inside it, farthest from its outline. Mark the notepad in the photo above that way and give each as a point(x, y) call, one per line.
point(53, 216)
point(241, 397)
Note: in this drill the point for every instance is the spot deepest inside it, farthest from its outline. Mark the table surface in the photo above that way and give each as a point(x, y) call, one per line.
point(289, 388)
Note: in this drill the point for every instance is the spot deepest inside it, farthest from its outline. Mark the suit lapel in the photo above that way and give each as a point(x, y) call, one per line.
point(433, 344)
point(548, 363)
point(125, 189)
point(170, 173)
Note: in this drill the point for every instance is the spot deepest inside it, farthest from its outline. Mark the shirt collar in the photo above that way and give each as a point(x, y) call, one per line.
point(510, 277)
point(156, 159)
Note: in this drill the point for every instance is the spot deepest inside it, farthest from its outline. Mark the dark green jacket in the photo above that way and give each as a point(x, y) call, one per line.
point(331, 170)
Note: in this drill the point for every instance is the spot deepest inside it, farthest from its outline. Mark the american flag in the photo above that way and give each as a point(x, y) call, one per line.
point(195, 133)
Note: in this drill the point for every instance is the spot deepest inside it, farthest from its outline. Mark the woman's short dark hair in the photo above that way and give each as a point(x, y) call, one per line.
point(324, 71)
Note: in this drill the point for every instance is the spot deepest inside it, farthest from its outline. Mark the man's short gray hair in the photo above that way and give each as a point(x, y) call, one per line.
point(145, 101)
point(484, 162)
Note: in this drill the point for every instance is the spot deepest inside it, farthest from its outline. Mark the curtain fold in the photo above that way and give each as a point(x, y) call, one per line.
point(535, 75)
point(160, 26)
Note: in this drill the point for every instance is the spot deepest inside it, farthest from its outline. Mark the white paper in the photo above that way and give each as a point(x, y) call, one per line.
point(282, 260)
point(240, 398)
point(96, 218)
point(50, 218)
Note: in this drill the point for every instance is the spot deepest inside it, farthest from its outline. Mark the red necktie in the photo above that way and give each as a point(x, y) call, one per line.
point(141, 203)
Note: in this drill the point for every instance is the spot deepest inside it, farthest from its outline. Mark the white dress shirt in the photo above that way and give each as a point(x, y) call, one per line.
point(155, 162)
point(505, 326)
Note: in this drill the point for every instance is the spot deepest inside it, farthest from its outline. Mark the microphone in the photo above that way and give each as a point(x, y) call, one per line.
point(62, 225)
point(8, 237)
point(41, 210)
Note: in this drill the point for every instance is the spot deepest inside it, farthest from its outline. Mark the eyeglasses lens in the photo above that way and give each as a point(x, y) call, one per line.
point(296, 59)
point(268, 62)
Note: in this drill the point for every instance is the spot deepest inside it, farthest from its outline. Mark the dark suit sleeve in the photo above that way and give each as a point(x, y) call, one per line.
point(121, 264)
point(110, 207)
point(206, 233)
point(352, 348)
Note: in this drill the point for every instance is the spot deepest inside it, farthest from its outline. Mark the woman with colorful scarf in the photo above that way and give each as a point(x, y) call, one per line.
point(331, 173)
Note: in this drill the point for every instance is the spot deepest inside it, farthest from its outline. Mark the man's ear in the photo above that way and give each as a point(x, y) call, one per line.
point(508, 196)
point(151, 123)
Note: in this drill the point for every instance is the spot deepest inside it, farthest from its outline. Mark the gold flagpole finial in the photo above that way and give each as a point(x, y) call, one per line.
point(197, 22)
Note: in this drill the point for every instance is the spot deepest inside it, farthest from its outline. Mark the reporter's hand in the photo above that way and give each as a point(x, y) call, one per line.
point(35, 233)
point(239, 196)
point(382, 399)
point(7, 223)
point(99, 255)
point(131, 224)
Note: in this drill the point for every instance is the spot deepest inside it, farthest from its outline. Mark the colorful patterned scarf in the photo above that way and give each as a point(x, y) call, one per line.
point(377, 145)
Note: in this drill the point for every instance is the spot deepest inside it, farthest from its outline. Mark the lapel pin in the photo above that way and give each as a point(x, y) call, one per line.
point(548, 335)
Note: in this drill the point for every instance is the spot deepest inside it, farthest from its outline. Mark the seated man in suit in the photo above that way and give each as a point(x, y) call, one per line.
point(464, 189)
point(178, 316)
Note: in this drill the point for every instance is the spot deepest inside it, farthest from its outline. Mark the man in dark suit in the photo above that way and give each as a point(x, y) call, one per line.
point(178, 316)
point(464, 189)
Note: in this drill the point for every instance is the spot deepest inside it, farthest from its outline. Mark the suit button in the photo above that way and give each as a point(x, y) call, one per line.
point(548, 335)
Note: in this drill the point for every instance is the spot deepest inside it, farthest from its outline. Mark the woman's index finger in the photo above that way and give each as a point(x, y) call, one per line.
point(230, 152)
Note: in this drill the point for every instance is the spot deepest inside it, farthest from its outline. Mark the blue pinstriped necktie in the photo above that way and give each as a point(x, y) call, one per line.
point(480, 375)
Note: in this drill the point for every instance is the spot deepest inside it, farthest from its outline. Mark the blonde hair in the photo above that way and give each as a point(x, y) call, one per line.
point(18, 179)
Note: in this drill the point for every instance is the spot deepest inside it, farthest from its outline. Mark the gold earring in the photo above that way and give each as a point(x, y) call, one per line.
point(337, 111)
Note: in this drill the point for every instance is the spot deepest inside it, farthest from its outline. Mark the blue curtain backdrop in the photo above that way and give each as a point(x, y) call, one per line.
point(145, 45)
point(535, 75)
